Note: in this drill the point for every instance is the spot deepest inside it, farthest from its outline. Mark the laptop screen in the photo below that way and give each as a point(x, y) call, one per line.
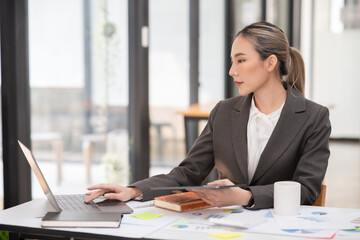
point(40, 177)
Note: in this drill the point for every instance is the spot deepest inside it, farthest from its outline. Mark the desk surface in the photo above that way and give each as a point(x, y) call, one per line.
point(26, 219)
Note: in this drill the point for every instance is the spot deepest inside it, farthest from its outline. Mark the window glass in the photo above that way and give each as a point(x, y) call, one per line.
point(212, 51)
point(168, 81)
point(277, 12)
point(78, 53)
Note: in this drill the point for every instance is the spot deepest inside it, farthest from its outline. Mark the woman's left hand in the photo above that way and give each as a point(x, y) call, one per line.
point(224, 197)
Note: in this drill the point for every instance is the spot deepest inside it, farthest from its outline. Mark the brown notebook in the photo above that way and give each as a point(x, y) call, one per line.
point(181, 202)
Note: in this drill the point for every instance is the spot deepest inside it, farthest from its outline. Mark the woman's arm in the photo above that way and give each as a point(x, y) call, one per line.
point(191, 171)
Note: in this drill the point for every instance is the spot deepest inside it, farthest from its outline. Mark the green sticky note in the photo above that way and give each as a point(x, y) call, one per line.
point(147, 215)
point(226, 235)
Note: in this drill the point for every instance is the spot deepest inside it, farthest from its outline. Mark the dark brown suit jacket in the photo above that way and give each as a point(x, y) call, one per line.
point(297, 150)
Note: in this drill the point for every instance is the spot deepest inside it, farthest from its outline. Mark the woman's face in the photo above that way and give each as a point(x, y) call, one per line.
point(247, 69)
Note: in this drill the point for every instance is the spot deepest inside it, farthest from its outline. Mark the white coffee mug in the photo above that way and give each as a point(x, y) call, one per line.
point(287, 198)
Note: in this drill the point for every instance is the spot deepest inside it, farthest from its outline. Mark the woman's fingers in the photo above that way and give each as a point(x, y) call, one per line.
point(208, 200)
point(221, 182)
point(100, 190)
point(117, 196)
point(109, 187)
point(110, 191)
point(219, 197)
point(93, 195)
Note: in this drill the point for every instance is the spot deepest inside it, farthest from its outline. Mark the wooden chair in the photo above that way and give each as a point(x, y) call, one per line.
point(321, 199)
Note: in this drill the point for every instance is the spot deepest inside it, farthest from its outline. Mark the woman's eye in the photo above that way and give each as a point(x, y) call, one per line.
point(241, 60)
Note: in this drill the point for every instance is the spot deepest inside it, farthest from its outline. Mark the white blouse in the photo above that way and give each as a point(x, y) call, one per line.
point(260, 128)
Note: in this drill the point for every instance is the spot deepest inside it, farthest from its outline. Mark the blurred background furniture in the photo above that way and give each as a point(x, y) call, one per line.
point(88, 141)
point(321, 199)
point(55, 139)
point(158, 126)
point(192, 116)
point(116, 150)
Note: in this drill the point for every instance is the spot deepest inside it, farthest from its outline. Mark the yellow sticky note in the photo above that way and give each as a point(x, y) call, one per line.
point(226, 235)
point(147, 215)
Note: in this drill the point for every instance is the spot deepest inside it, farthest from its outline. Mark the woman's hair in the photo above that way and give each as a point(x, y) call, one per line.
point(268, 40)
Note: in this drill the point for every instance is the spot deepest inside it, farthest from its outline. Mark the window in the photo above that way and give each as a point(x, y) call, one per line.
point(78, 53)
point(168, 81)
point(212, 52)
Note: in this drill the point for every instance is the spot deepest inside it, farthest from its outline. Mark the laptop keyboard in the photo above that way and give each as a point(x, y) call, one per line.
point(75, 203)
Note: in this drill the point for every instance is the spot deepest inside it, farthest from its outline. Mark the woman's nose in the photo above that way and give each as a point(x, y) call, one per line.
point(231, 71)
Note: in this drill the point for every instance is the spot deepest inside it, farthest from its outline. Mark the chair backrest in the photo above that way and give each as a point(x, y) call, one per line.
point(321, 199)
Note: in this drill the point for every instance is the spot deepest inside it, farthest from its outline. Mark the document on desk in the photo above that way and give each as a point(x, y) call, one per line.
point(271, 227)
point(310, 217)
point(199, 221)
point(215, 219)
point(138, 204)
point(352, 233)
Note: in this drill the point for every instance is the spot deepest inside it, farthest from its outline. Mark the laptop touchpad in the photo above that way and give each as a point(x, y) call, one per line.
point(114, 206)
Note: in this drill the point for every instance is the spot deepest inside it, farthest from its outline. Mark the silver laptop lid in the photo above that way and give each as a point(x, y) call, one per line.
point(40, 177)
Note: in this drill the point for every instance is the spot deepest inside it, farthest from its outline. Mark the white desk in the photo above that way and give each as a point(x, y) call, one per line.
point(25, 219)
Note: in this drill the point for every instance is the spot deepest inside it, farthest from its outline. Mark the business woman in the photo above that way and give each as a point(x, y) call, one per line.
point(269, 133)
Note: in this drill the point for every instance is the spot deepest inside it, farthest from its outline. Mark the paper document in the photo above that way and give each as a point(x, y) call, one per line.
point(314, 218)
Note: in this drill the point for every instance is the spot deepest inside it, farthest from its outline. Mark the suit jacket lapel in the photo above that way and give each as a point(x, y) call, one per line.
point(240, 116)
point(292, 118)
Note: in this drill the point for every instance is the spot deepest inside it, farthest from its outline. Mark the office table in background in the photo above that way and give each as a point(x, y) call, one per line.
point(192, 116)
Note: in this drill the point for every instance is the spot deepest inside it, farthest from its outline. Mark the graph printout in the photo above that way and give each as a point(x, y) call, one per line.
point(314, 218)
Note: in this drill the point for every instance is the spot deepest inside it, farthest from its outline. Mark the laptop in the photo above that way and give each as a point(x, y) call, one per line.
point(75, 202)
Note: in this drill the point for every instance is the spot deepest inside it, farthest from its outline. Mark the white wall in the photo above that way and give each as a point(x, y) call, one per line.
point(336, 72)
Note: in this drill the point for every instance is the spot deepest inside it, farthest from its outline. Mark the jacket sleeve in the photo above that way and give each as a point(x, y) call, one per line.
point(313, 163)
point(191, 171)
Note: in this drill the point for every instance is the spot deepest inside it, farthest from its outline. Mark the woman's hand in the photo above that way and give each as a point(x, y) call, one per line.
point(112, 191)
point(224, 197)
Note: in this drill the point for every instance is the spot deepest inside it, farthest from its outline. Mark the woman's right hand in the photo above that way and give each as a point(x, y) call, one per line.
point(112, 191)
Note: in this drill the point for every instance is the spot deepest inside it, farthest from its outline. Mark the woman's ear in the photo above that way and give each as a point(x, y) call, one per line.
point(271, 63)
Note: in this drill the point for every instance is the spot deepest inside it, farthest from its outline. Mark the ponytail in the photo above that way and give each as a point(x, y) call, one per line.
point(296, 74)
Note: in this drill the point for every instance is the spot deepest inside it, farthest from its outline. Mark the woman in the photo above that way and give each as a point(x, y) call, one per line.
point(270, 133)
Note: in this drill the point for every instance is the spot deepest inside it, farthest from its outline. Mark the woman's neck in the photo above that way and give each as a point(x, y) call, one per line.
point(269, 99)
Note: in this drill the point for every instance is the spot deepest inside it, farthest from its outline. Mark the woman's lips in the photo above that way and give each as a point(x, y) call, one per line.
point(238, 83)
